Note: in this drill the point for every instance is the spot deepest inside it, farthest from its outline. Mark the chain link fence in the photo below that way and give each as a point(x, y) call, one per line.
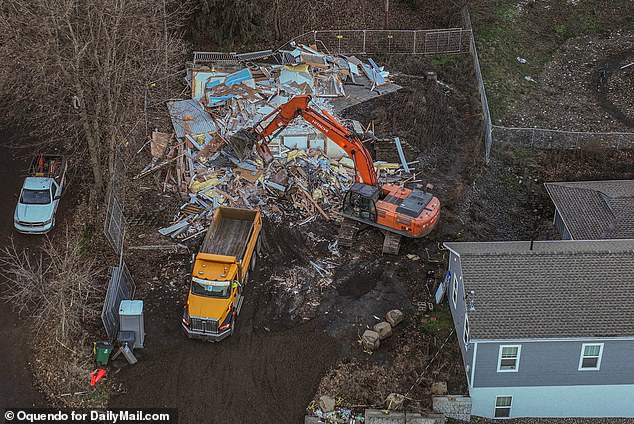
point(121, 285)
point(486, 128)
point(543, 138)
point(411, 42)
point(114, 224)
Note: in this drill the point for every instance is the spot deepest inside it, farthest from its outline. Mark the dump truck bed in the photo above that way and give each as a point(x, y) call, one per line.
point(229, 233)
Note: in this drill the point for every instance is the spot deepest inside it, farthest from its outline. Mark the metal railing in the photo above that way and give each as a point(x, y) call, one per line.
point(486, 129)
point(544, 138)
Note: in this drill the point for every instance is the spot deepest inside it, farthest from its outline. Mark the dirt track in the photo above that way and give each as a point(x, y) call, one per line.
point(254, 374)
point(16, 385)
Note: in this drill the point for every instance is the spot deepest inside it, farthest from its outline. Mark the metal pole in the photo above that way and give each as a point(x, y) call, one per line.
point(387, 11)
point(364, 31)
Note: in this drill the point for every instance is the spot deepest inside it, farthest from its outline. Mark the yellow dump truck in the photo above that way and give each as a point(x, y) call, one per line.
point(221, 269)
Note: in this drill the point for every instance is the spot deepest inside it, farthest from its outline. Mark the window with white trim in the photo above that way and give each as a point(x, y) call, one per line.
point(509, 358)
point(503, 406)
point(465, 334)
point(591, 354)
point(454, 291)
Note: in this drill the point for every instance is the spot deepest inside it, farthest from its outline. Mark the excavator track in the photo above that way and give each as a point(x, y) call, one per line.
point(348, 232)
point(392, 243)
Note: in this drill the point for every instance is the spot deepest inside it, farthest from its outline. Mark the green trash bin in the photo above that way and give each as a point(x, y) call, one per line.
point(102, 352)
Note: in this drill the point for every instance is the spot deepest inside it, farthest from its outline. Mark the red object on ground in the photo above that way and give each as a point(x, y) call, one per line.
point(97, 375)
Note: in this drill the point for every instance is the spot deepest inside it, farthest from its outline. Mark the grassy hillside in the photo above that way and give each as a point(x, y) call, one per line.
point(534, 30)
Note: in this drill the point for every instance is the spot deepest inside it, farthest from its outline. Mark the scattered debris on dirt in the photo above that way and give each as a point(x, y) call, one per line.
point(583, 71)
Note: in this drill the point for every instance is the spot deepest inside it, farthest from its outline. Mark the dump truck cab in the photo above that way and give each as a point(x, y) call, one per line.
point(220, 272)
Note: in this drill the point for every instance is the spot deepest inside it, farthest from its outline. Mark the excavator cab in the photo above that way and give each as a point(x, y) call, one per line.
point(360, 201)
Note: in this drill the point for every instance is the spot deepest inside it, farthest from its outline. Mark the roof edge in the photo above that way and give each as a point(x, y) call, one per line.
point(553, 339)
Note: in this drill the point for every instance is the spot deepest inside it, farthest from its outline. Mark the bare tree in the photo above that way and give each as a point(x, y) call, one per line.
point(57, 286)
point(59, 293)
point(75, 71)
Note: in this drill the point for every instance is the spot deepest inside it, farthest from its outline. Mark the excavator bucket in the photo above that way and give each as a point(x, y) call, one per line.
point(242, 143)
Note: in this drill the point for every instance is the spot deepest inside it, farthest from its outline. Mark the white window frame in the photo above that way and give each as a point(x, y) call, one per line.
point(496, 407)
point(517, 359)
point(581, 357)
point(454, 291)
point(465, 330)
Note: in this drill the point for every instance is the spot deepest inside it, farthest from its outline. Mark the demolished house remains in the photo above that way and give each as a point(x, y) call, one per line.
point(310, 173)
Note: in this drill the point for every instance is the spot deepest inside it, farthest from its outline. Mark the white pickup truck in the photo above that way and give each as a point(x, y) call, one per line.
point(40, 194)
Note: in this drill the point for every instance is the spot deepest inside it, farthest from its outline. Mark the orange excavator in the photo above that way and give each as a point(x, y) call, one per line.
point(395, 210)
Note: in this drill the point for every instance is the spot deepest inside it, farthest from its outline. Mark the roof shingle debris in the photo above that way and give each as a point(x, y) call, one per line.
point(549, 289)
point(595, 209)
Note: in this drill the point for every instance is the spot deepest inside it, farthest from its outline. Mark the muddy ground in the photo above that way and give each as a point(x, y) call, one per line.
point(16, 382)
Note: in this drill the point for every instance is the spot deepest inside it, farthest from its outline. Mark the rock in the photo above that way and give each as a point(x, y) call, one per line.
point(394, 317)
point(394, 401)
point(384, 329)
point(439, 388)
point(370, 340)
point(326, 404)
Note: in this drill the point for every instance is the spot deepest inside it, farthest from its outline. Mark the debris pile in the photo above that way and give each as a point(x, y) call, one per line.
point(309, 175)
point(326, 411)
point(303, 184)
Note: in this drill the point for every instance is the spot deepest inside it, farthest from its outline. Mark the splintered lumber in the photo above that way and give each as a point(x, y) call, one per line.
point(310, 198)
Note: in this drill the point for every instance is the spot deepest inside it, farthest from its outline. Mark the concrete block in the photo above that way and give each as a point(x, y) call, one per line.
point(439, 388)
point(394, 317)
point(326, 404)
point(453, 406)
point(384, 329)
point(370, 340)
point(376, 416)
point(416, 418)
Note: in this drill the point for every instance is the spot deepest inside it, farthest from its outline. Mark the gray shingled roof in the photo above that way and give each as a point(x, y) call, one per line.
point(595, 209)
point(560, 289)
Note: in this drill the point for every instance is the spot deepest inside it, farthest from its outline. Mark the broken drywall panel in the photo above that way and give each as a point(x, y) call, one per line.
point(200, 78)
point(295, 141)
point(188, 116)
point(238, 77)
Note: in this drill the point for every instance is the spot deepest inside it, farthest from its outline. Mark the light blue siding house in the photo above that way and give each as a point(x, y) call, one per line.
point(546, 328)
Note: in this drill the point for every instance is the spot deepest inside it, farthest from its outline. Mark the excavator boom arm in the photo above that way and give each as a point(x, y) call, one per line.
point(326, 124)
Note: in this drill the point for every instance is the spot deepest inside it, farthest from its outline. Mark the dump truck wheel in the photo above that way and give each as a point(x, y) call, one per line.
point(254, 258)
point(232, 326)
point(258, 245)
